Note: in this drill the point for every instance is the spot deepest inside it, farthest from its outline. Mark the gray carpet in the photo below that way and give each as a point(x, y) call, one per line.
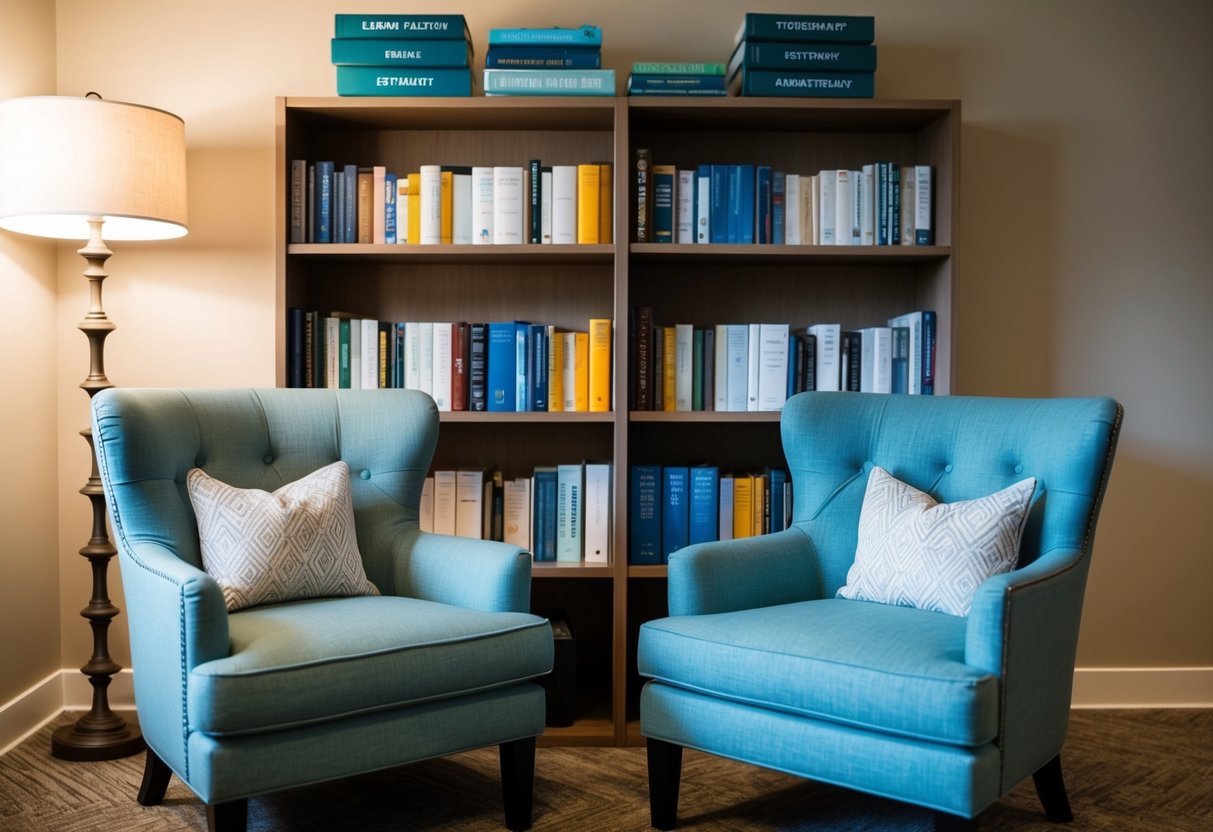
point(1127, 771)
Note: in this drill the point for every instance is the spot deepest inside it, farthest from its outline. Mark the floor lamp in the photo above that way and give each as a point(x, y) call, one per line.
point(88, 169)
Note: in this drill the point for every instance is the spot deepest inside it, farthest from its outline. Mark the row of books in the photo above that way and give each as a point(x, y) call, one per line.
point(559, 513)
point(402, 54)
point(556, 61)
point(677, 78)
point(757, 366)
point(509, 366)
point(454, 204)
point(670, 507)
point(882, 203)
point(804, 55)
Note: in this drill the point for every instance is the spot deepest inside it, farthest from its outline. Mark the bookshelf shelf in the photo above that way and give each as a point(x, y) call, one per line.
point(566, 285)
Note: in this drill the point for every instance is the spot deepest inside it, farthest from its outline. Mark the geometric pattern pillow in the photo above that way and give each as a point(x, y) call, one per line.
point(298, 542)
point(914, 551)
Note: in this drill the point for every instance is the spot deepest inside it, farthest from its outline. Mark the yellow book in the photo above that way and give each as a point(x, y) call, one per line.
point(758, 500)
point(588, 178)
point(447, 183)
point(743, 506)
point(600, 364)
point(606, 203)
point(415, 207)
point(669, 368)
point(402, 209)
point(365, 211)
point(581, 372)
point(555, 370)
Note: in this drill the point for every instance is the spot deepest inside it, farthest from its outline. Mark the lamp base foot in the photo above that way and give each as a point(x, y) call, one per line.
point(90, 739)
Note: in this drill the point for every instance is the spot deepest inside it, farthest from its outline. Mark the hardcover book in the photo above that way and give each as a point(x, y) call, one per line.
point(403, 81)
point(549, 82)
point(756, 54)
point(428, 26)
point(644, 515)
point(813, 28)
point(363, 51)
point(675, 510)
point(542, 57)
point(555, 36)
point(789, 83)
point(676, 68)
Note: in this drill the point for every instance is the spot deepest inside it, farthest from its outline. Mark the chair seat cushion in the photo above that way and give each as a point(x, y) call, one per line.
point(324, 659)
point(898, 670)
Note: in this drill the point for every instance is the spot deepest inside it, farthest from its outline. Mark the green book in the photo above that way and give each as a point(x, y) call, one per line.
point(403, 81)
point(675, 68)
point(773, 82)
point(396, 52)
point(430, 26)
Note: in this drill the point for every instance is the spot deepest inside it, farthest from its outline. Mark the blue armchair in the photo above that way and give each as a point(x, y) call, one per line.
point(760, 662)
point(280, 695)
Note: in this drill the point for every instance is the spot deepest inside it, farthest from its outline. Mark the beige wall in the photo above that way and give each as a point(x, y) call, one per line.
point(1084, 257)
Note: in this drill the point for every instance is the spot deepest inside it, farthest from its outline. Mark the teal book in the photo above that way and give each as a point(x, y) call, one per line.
point(675, 510)
point(675, 68)
point(543, 57)
point(570, 511)
point(556, 36)
point(543, 541)
point(773, 82)
point(644, 515)
point(403, 81)
point(394, 52)
point(810, 28)
point(756, 54)
point(678, 92)
point(675, 84)
point(429, 26)
point(549, 82)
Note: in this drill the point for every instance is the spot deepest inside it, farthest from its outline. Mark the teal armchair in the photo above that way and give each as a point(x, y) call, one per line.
point(276, 696)
point(759, 661)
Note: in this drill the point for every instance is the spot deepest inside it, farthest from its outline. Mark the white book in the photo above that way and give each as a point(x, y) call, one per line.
point(469, 502)
point(791, 210)
point(842, 207)
point(684, 195)
point(412, 355)
point(332, 352)
point(570, 510)
point(425, 511)
point(507, 205)
point(827, 181)
point(431, 205)
point(703, 207)
point(516, 512)
point(738, 363)
point(773, 366)
point(545, 206)
point(564, 204)
point(425, 339)
point(684, 365)
point(913, 321)
point(369, 333)
point(440, 382)
point(754, 362)
point(402, 210)
point(867, 199)
point(445, 485)
point(356, 354)
point(720, 369)
point(482, 206)
point(855, 180)
point(908, 206)
point(829, 353)
point(568, 370)
point(461, 208)
point(924, 235)
point(726, 507)
point(812, 222)
point(597, 514)
point(876, 359)
point(378, 205)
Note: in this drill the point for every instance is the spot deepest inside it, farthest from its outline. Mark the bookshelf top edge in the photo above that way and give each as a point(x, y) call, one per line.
point(504, 112)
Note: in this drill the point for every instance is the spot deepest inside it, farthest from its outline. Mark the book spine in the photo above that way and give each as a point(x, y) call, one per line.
point(675, 511)
point(548, 81)
point(773, 82)
point(674, 83)
point(324, 202)
point(545, 205)
point(763, 201)
point(606, 202)
point(676, 68)
point(477, 367)
point(298, 201)
point(684, 194)
point(928, 352)
point(643, 175)
point(597, 513)
point(583, 36)
point(431, 205)
point(542, 57)
point(543, 535)
point(363, 51)
point(507, 205)
point(703, 203)
point(403, 81)
point(535, 196)
point(570, 511)
point(703, 504)
point(435, 26)
point(643, 375)
point(522, 366)
point(555, 368)
point(599, 368)
point(813, 28)
point(804, 56)
point(924, 230)
point(664, 178)
point(772, 366)
point(644, 515)
point(500, 377)
point(516, 512)
point(588, 201)
point(564, 204)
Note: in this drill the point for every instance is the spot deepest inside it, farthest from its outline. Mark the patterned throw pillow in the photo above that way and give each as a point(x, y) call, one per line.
point(264, 548)
point(916, 552)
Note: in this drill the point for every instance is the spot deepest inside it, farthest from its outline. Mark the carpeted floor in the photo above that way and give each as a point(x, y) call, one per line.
point(1127, 771)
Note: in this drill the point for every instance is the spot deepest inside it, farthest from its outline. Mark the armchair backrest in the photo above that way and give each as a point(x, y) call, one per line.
point(954, 448)
point(148, 439)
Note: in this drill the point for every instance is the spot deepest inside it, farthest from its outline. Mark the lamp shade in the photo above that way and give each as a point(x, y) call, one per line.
point(65, 159)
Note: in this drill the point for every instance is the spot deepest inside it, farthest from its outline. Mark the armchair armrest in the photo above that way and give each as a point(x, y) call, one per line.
point(464, 572)
point(745, 573)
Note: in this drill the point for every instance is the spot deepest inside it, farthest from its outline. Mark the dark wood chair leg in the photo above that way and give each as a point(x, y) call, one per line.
point(1051, 789)
point(156, 774)
point(231, 816)
point(665, 773)
point(518, 782)
point(947, 822)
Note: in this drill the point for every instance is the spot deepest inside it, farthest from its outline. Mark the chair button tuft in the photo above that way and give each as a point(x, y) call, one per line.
point(267, 459)
point(366, 475)
point(947, 469)
point(1018, 469)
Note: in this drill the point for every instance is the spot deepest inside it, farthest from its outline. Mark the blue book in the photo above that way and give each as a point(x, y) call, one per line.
point(746, 203)
point(403, 81)
point(543, 494)
point(324, 202)
point(393, 52)
point(543, 57)
point(755, 54)
point(901, 359)
point(500, 375)
point(644, 515)
point(478, 367)
point(339, 206)
point(556, 36)
point(389, 208)
point(664, 177)
point(549, 82)
point(777, 480)
point(413, 26)
point(812, 28)
point(349, 184)
point(675, 510)
point(778, 206)
point(718, 214)
point(537, 377)
point(295, 348)
point(704, 504)
point(791, 83)
point(398, 367)
point(522, 366)
point(762, 205)
point(928, 352)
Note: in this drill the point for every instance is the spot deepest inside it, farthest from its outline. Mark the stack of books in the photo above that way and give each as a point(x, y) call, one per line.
point(804, 55)
point(553, 61)
point(403, 54)
point(665, 78)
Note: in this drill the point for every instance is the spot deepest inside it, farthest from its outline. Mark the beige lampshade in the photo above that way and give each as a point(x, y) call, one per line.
point(65, 159)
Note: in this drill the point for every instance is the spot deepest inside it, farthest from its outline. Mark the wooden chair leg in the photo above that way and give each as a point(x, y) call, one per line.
point(231, 816)
point(518, 782)
point(947, 822)
point(1051, 789)
point(665, 773)
point(156, 774)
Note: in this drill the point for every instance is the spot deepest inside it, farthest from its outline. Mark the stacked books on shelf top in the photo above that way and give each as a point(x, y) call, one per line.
point(682, 79)
point(402, 54)
point(804, 55)
point(555, 61)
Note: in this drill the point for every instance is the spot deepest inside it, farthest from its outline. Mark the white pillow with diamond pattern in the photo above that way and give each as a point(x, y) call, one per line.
point(298, 542)
point(916, 552)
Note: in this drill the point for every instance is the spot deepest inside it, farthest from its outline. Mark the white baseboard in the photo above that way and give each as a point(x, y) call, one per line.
point(60, 691)
point(1143, 687)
